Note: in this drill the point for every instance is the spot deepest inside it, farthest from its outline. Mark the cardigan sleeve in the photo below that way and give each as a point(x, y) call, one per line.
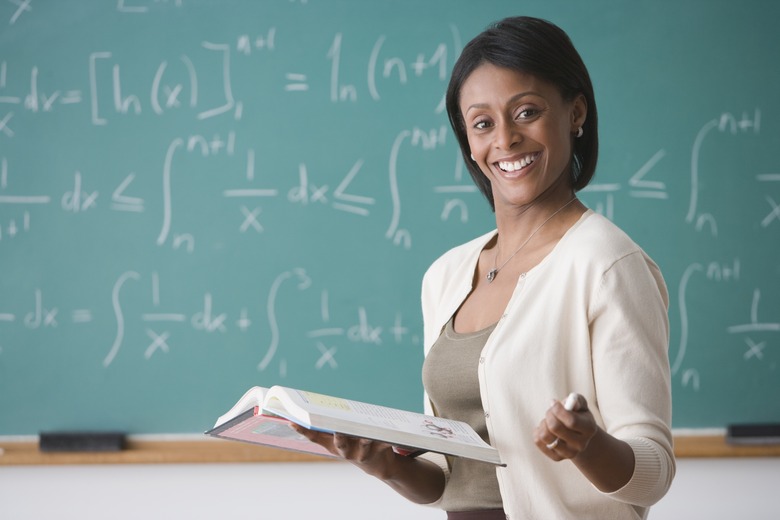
point(630, 341)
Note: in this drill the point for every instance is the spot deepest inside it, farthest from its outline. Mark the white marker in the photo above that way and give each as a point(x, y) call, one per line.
point(568, 405)
point(571, 402)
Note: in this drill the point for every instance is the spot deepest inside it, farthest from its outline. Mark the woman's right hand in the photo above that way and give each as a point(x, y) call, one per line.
point(419, 480)
point(373, 457)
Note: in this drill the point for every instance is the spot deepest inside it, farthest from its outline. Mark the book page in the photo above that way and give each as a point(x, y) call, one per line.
point(251, 398)
point(393, 419)
point(418, 423)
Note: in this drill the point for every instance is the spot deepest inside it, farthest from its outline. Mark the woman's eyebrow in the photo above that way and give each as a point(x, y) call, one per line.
point(514, 98)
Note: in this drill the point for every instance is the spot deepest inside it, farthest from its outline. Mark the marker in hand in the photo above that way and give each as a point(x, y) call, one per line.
point(571, 402)
point(568, 405)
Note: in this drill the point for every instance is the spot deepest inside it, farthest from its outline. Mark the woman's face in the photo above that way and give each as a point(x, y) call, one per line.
point(520, 131)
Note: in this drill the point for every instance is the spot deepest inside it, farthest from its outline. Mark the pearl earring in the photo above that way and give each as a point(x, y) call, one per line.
point(472, 157)
point(580, 132)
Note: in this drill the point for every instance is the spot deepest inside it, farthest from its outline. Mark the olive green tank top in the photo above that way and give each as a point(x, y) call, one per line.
point(450, 378)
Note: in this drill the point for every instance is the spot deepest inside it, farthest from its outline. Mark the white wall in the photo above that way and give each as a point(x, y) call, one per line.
point(712, 489)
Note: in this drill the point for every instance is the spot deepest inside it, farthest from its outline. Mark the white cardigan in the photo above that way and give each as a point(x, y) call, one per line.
point(590, 318)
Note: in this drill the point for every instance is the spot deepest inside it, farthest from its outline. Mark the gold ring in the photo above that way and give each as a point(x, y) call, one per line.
point(553, 444)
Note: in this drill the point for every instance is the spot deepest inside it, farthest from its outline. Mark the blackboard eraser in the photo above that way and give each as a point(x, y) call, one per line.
point(766, 433)
point(81, 441)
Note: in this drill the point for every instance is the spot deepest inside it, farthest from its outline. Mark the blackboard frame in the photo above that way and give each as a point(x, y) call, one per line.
point(26, 453)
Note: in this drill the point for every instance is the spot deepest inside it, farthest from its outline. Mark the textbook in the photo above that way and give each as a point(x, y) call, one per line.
point(262, 416)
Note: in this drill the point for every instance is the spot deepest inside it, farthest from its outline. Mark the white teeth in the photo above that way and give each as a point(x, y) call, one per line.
point(508, 166)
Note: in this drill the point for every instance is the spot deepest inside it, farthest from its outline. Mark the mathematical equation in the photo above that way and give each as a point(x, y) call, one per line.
point(754, 322)
point(83, 198)
point(364, 331)
point(179, 86)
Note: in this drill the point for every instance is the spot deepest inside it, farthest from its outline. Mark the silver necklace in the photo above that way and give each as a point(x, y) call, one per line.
point(493, 272)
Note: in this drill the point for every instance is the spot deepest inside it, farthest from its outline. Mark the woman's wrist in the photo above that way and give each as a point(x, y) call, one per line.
point(607, 462)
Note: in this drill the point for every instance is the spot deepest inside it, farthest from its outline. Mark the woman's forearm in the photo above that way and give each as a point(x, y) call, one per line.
point(607, 462)
point(418, 480)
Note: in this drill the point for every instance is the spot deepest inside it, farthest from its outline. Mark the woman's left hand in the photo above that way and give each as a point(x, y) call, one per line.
point(564, 434)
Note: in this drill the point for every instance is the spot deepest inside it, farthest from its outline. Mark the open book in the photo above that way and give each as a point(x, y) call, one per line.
point(262, 416)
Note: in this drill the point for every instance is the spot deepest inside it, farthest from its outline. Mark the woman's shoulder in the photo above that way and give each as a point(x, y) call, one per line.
point(598, 234)
point(595, 244)
point(600, 246)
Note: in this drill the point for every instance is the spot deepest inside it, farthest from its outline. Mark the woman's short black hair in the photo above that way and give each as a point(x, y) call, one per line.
point(539, 48)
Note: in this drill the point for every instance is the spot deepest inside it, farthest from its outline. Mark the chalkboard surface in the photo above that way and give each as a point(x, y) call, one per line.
point(201, 196)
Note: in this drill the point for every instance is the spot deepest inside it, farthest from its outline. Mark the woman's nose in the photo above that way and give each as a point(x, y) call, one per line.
point(507, 136)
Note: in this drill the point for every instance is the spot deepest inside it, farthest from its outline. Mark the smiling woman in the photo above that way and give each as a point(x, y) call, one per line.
point(528, 52)
point(519, 130)
point(573, 303)
point(556, 299)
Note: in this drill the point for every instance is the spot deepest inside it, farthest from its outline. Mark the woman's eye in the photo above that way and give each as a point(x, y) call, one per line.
point(527, 113)
point(481, 125)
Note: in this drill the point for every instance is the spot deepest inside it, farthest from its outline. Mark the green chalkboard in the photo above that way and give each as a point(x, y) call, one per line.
point(201, 196)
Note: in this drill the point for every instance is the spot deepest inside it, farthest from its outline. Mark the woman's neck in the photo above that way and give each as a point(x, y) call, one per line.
point(544, 215)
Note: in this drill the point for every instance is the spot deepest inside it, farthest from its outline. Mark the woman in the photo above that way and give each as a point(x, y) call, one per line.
point(556, 300)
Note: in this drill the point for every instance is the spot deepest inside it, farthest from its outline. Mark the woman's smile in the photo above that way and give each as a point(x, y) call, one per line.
point(516, 165)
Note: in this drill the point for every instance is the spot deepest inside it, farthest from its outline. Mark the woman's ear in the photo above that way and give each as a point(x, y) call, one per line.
point(579, 113)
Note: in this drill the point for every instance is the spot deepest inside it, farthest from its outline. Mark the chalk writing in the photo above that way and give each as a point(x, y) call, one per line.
point(209, 320)
point(119, 315)
point(647, 188)
point(725, 123)
point(713, 272)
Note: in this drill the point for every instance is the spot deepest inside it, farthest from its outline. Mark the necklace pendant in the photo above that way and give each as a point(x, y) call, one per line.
point(491, 275)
